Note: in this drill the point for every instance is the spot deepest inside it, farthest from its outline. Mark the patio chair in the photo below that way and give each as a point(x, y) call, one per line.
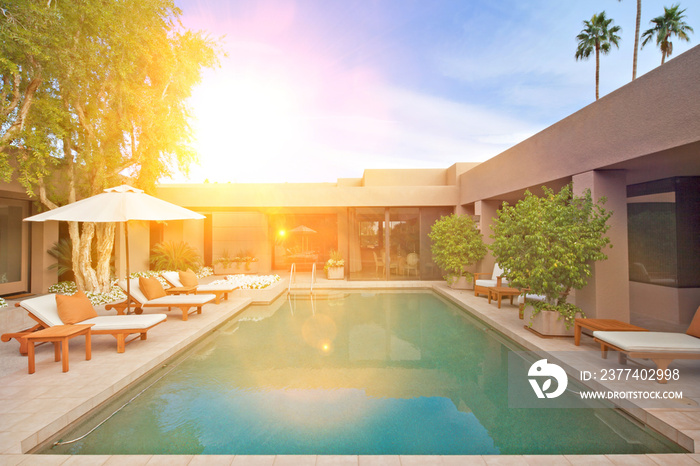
point(661, 347)
point(44, 310)
point(481, 285)
point(140, 301)
point(379, 263)
point(174, 278)
point(412, 262)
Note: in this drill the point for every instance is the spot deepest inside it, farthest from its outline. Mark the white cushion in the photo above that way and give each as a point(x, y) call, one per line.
point(655, 342)
point(136, 322)
point(173, 278)
point(177, 300)
point(135, 290)
point(497, 272)
point(531, 297)
point(219, 287)
point(485, 283)
point(44, 308)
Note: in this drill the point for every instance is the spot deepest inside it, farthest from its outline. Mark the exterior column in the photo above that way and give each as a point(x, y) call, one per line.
point(606, 296)
point(486, 211)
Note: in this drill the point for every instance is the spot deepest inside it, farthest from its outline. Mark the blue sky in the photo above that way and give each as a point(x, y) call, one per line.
point(315, 90)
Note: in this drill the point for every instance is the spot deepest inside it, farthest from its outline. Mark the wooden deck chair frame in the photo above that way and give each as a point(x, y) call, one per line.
point(120, 334)
point(139, 306)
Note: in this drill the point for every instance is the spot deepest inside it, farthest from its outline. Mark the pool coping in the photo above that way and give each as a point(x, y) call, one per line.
point(17, 437)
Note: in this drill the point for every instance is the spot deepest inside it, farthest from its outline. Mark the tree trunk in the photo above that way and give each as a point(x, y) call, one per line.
point(636, 40)
point(105, 243)
point(74, 232)
point(597, 70)
point(85, 260)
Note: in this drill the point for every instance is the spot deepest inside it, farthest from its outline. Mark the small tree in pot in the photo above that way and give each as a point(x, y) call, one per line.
point(546, 244)
point(456, 244)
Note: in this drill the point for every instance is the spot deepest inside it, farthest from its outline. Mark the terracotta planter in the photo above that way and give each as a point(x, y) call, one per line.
point(549, 323)
point(335, 273)
point(461, 283)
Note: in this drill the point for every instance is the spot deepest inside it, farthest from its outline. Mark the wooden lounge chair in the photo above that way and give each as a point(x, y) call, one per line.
point(661, 347)
point(140, 302)
point(44, 311)
point(482, 285)
point(217, 290)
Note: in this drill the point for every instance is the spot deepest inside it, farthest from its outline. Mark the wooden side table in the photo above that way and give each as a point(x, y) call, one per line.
point(610, 325)
point(498, 292)
point(59, 334)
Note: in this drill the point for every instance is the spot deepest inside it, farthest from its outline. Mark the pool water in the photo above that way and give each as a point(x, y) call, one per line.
point(349, 373)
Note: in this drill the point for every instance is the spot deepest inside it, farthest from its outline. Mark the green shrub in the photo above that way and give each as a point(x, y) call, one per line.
point(171, 255)
point(456, 243)
point(547, 243)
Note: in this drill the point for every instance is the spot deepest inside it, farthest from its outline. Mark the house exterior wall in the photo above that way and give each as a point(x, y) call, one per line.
point(657, 112)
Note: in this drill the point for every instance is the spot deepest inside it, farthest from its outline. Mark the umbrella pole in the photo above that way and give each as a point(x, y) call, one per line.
point(128, 280)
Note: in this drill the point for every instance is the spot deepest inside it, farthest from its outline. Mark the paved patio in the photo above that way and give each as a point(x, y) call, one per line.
point(35, 407)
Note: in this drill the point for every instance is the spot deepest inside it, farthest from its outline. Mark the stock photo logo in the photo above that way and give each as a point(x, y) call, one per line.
point(542, 369)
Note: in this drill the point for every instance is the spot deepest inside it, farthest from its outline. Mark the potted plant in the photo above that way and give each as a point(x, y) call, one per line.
point(247, 262)
point(335, 266)
point(546, 244)
point(456, 244)
point(225, 264)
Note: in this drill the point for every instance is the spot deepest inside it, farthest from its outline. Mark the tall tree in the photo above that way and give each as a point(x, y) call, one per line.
point(91, 91)
point(670, 24)
point(597, 35)
point(636, 38)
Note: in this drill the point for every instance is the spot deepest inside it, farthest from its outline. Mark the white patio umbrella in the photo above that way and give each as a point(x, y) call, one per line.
point(118, 205)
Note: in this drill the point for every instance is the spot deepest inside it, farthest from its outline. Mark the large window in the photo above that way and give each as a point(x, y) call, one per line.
point(663, 219)
point(303, 239)
point(392, 243)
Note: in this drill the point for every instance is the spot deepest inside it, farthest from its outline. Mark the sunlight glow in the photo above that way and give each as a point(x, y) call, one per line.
point(244, 122)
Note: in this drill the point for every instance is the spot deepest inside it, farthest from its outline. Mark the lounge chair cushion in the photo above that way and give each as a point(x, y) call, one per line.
point(651, 342)
point(694, 329)
point(173, 278)
point(74, 309)
point(132, 322)
point(181, 299)
point(188, 278)
point(151, 288)
point(45, 308)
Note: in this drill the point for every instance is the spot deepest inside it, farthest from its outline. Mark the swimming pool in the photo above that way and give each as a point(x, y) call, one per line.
point(349, 373)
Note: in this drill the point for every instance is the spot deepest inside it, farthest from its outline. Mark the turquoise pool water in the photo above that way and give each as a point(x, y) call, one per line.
point(353, 373)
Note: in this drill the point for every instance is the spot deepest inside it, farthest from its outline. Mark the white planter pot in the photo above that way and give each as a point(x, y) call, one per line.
point(335, 273)
point(549, 323)
point(461, 283)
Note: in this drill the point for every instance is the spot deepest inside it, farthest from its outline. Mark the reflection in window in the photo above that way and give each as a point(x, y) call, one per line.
point(652, 242)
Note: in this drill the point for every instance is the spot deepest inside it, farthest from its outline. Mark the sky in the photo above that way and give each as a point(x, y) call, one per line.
point(316, 90)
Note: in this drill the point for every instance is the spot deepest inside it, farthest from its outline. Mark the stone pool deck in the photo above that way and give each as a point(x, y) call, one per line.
point(35, 407)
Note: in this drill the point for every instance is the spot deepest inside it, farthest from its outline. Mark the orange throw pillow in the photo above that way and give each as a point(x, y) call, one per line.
point(188, 278)
point(151, 288)
point(74, 309)
point(694, 328)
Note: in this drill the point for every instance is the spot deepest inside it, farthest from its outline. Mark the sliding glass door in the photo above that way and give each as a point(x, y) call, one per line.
point(392, 243)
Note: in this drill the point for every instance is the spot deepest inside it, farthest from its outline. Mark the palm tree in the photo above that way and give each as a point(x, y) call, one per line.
point(636, 39)
point(671, 23)
point(597, 35)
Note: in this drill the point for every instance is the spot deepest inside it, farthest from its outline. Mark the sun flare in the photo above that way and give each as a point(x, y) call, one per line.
point(243, 123)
